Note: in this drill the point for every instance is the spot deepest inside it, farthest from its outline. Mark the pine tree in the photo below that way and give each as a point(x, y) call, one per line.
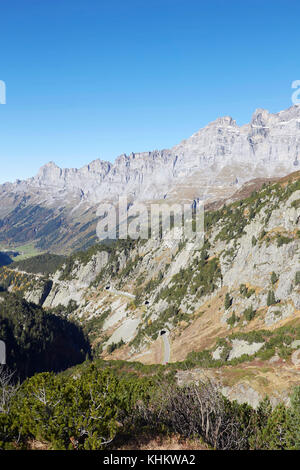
point(249, 313)
point(274, 435)
point(271, 298)
point(264, 411)
point(293, 434)
point(274, 278)
point(228, 301)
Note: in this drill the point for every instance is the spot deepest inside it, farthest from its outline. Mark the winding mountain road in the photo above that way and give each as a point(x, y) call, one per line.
point(121, 292)
point(166, 353)
point(166, 348)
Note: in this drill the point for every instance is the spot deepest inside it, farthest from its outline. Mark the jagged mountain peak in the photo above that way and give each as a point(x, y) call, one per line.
point(260, 116)
point(286, 115)
point(48, 169)
point(50, 164)
point(223, 121)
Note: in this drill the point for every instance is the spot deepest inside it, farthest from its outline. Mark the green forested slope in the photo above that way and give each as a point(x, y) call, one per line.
point(36, 340)
point(46, 263)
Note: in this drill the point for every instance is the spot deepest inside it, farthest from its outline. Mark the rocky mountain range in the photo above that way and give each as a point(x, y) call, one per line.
point(56, 209)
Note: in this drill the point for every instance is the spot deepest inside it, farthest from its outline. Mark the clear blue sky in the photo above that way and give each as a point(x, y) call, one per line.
point(88, 79)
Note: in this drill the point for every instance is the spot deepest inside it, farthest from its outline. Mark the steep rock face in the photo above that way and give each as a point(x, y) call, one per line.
point(81, 276)
point(57, 208)
point(256, 263)
point(269, 145)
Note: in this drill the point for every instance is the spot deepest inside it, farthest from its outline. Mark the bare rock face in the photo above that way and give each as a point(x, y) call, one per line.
point(82, 275)
point(275, 314)
point(240, 347)
point(243, 393)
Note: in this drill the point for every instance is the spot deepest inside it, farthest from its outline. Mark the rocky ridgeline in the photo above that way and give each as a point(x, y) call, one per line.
point(215, 160)
point(268, 146)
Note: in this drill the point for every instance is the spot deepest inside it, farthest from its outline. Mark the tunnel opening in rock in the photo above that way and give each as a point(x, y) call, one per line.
point(163, 332)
